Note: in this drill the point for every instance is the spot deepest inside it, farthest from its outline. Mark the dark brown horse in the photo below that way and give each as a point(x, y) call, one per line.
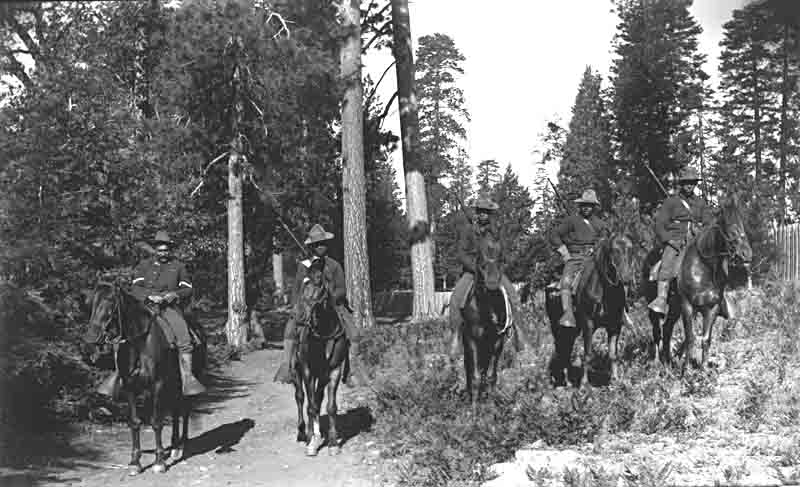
point(599, 303)
point(486, 326)
point(322, 354)
point(699, 288)
point(147, 366)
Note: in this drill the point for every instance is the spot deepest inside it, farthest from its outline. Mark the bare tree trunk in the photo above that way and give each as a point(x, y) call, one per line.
point(785, 94)
point(277, 277)
point(236, 327)
point(416, 200)
point(356, 258)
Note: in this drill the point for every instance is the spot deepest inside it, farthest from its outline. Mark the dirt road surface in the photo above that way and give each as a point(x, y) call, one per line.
point(242, 434)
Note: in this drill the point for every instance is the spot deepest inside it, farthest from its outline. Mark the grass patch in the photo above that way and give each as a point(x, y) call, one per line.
point(425, 425)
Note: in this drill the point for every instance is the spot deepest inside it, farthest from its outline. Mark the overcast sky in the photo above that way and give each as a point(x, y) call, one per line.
point(524, 60)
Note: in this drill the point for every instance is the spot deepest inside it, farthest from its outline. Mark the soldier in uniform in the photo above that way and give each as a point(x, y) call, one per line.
point(318, 240)
point(678, 219)
point(575, 239)
point(469, 237)
point(163, 280)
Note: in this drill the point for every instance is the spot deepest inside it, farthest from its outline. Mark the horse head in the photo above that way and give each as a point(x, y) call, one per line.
point(489, 274)
point(619, 250)
point(316, 300)
point(105, 320)
point(731, 226)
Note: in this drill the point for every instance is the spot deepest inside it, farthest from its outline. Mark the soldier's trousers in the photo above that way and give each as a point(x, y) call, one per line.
point(670, 262)
point(177, 330)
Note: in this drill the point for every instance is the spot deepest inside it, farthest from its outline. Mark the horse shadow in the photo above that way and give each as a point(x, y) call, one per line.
point(221, 439)
point(351, 423)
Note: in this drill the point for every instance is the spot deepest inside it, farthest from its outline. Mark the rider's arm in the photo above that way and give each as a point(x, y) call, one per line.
point(663, 220)
point(339, 290)
point(465, 256)
point(138, 289)
point(184, 290)
point(558, 234)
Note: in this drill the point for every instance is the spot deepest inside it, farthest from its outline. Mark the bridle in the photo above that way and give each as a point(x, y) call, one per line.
point(116, 314)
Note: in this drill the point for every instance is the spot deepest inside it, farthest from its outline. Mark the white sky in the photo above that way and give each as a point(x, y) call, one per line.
point(524, 60)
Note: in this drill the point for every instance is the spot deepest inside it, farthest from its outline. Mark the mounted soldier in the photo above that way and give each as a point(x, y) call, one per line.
point(333, 275)
point(468, 245)
point(574, 239)
point(678, 220)
point(163, 281)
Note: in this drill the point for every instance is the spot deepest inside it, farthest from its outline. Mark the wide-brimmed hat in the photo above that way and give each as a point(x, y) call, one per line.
point(689, 175)
point(162, 237)
point(485, 203)
point(318, 234)
point(589, 198)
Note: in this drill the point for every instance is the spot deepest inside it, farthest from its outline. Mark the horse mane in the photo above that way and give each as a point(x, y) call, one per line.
point(708, 239)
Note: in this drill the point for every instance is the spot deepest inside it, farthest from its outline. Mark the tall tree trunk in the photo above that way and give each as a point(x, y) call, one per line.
point(277, 277)
point(354, 183)
point(236, 327)
point(416, 200)
point(785, 93)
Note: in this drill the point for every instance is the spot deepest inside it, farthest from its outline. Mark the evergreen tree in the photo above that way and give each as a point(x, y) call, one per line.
point(587, 150)
point(514, 221)
point(487, 176)
point(658, 84)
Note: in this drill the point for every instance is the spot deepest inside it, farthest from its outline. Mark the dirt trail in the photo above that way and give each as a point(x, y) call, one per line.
point(242, 435)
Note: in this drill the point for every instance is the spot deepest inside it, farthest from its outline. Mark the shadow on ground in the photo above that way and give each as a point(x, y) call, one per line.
point(350, 424)
point(42, 458)
point(221, 439)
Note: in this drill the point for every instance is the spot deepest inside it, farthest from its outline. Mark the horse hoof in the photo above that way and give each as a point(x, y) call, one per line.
point(302, 438)
point(313, 446)
point(176, 454)
point(159, 468)
point(334, 450)
point(134, 470)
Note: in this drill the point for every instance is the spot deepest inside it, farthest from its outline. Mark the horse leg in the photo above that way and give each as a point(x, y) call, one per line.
point(613, 350)
point(494, 361)
point(176, 450)
point(471, 370)
point(135, 424)
point(586, 325)
point(709, 317)
point(657, 323)
point(667, 327)
point(314, 402)
point(159, 466)
point(687, 313)
point(299, 398)
point(333, 385)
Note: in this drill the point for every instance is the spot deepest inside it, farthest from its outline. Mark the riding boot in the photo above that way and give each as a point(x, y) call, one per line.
point(110, 386)
point(568, 318)
point(191, 386)
point(455, 344)
point(286, 369)
point(659, 305)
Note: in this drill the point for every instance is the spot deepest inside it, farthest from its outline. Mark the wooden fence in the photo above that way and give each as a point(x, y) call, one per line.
point(787, 239)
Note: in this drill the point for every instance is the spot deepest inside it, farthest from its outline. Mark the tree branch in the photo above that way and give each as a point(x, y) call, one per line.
point(375, 88)
point(378, 33)
point(386, 110)
point(17, 69)
point(379, 13)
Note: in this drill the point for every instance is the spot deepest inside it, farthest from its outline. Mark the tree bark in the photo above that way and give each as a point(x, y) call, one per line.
point(236, 327)
point(416, 200)
point(277, 277)
point(785, 94)
point(356, 258)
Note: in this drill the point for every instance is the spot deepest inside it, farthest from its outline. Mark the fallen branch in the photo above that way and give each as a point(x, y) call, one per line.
point(205, 171)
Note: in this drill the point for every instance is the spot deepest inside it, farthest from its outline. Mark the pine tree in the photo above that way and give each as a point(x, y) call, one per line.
point(658, 83)
point(514, 221)
point(487, 176)
point(442, 112)
point(587, 150)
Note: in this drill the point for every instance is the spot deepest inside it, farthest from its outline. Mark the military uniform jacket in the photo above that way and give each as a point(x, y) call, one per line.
point(675, 217)
point(153, 277)
point(469, 237)
point(333, 275)
point(578, 233)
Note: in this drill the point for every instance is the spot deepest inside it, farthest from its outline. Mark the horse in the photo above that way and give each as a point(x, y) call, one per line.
point(599, 303)
point(321, 361)
point(486, 322)
point(147, 365)
point(700, 285)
